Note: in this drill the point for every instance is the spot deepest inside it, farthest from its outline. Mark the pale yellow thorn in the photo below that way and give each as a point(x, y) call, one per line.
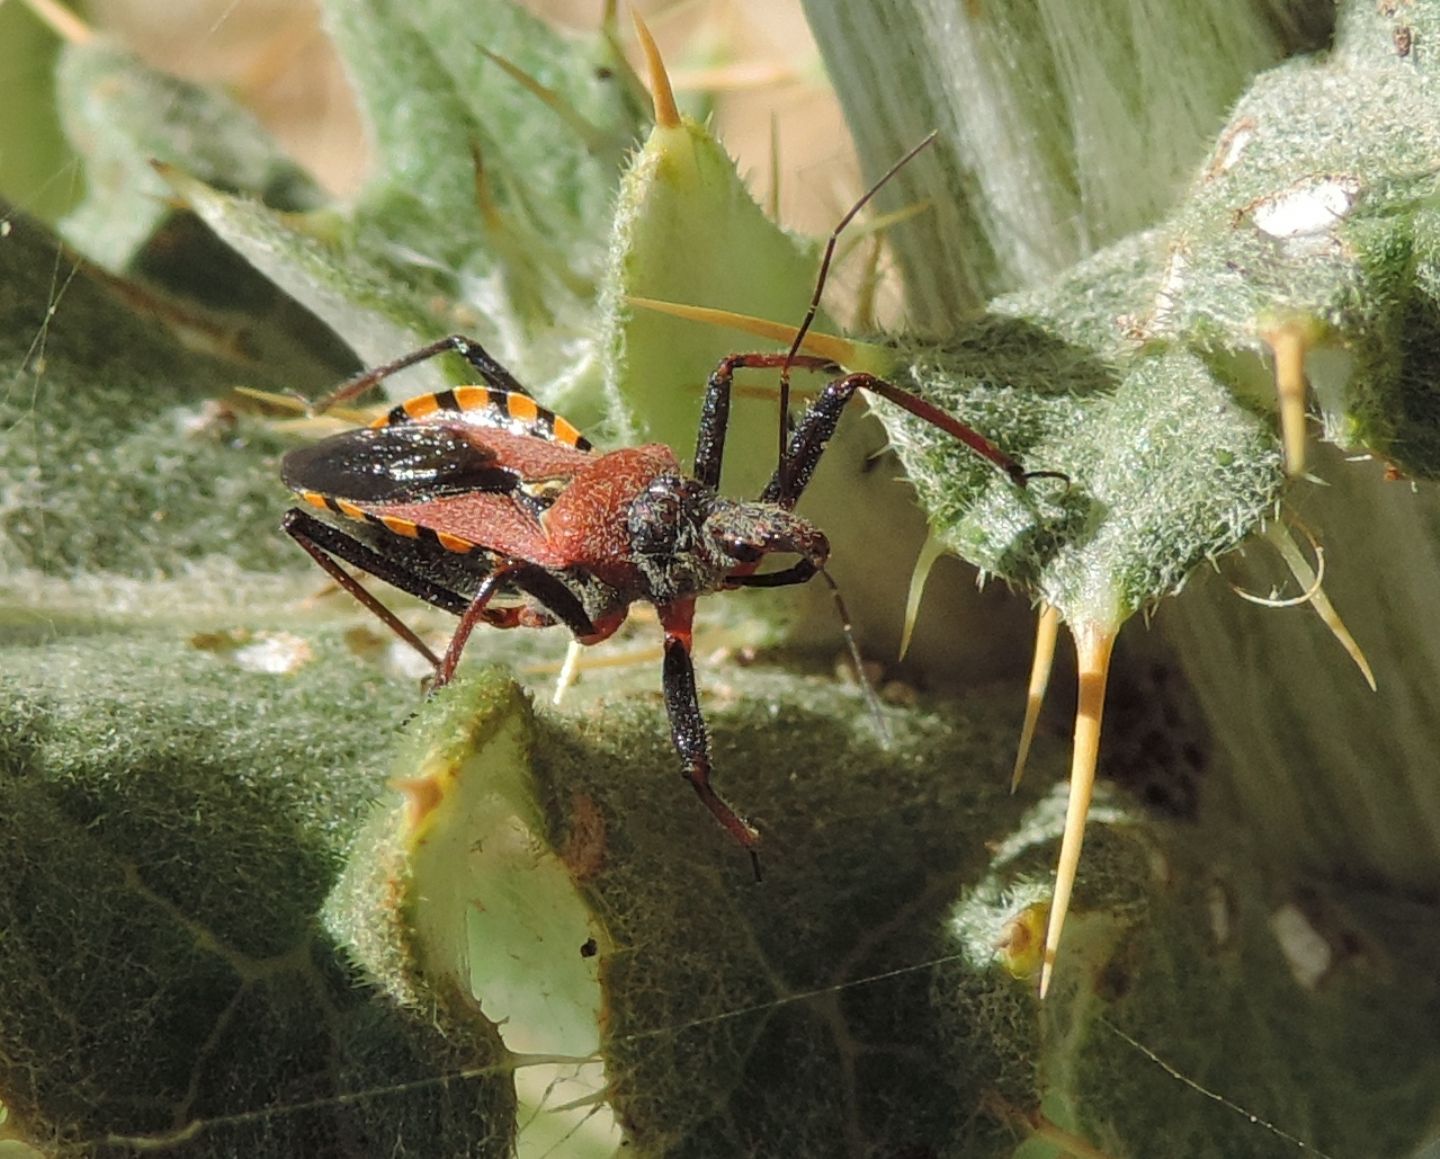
point(772, 205)
point(1305, 576)
point(593, 663)
point(841, 351)
point(931, 550)
point(740, 76)
point(61, 21)
point(864, 316)
point(300, 407)
point(667, 114)
point(291, 403)
point(884, 221)
point(1093, 644)
point(568, 671)
point(1290, 343)
point(484, 195)
point(1291, 601)
point(1047, 630)
point(592, 136)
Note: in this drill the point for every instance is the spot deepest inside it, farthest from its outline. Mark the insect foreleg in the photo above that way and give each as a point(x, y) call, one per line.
point(817, 425)
point(715, 414)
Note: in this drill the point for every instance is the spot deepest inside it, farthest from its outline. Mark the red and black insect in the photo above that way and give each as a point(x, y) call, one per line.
point(480, 501)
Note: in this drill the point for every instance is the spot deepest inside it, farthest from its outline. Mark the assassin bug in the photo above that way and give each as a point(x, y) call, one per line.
point(481, 502)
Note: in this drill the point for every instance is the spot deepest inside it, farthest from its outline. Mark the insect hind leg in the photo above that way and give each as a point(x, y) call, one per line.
point(476, 355)
point(556, 602)
point(325, 544)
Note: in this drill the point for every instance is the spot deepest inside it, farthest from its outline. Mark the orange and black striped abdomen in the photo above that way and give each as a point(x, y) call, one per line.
point(483, 406)
point(395, 524)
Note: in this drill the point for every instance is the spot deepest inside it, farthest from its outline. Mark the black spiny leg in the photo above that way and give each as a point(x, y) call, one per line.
point(553, 596)
point(687, 727)
point(715, 414)
point(491, 371)
point(324, 544)
point(817, 425)
point(471, 616)
point(546, 590)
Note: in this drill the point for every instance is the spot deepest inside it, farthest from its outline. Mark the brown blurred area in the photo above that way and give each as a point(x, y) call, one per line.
point(754, 58)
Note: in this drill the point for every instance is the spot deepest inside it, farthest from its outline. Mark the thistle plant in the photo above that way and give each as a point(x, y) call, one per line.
point(262, 896)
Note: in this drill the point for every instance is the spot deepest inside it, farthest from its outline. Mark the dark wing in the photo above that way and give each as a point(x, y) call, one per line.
point(411, 463)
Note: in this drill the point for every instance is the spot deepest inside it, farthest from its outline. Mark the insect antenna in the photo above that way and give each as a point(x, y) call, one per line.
point(867, 688)
point(826, 258)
